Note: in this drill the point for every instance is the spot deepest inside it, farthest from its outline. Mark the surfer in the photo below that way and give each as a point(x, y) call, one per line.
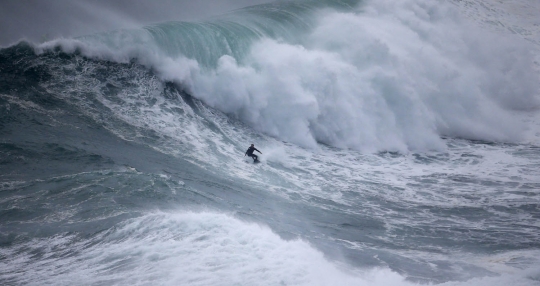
point(249, 152)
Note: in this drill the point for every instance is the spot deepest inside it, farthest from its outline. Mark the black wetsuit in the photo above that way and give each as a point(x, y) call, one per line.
point(249, 152)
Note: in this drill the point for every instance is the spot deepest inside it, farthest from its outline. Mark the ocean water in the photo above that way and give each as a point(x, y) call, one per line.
point(400, 146)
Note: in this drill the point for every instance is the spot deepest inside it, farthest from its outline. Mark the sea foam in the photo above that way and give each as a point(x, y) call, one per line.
point(385, 76)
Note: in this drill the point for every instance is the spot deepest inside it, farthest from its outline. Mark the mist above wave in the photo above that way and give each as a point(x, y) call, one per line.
point(388, 75)
point(393, 77)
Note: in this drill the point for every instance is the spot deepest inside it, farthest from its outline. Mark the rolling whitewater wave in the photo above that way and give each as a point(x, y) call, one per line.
point(305, 73)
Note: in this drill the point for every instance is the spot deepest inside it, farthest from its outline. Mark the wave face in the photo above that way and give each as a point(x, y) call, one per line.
point(400, 147)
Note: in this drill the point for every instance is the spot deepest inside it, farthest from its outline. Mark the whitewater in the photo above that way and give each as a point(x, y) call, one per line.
point(400, 145)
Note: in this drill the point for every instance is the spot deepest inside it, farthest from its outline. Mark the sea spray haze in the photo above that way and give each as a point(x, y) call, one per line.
point(386, 76)
point(400, 146)
point(394, 76)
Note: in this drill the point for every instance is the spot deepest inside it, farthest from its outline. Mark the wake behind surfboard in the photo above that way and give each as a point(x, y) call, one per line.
point(254, 161)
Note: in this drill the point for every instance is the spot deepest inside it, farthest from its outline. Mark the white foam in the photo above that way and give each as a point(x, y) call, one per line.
point(277, 154)
point(197, 249)
point(394, 76)
point(188, 249)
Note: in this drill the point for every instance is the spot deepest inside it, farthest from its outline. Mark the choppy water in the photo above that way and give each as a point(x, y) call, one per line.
point(400, 147)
